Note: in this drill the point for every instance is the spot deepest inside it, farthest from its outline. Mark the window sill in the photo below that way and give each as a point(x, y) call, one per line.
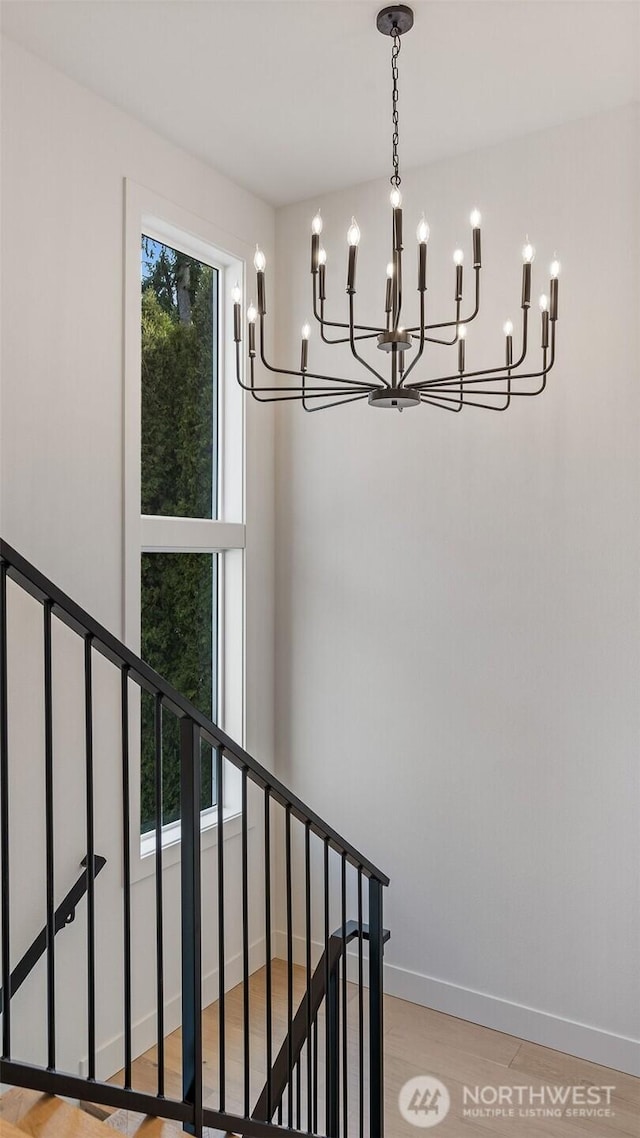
point(145, 864)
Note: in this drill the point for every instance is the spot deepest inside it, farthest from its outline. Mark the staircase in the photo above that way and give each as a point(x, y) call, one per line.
point(290, 1038)
point(45, 1116)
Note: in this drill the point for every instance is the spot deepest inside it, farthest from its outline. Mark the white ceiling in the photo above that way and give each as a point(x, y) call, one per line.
point(293, 98)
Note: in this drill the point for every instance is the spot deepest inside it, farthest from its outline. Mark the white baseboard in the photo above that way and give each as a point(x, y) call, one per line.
point(110, 1056)
point(569, 1036)
point(603, 1047)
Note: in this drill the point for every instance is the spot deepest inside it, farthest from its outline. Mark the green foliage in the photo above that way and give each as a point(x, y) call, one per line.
point(178, 439)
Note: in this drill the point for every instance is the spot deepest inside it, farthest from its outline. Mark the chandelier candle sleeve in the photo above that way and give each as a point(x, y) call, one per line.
point(458, 258)
point(236, 296)
point(544, 313)
point(353, 238)
point(322, 265)
point(251, 323)
point(422, 233)
point(508, 343)
point(553, 289)
point(316, 230)
point(396, 202)
point(388, 300)
point(304, 348)
point(462, 334)
point(404, 378)
point(475, 226)
point(260, 264)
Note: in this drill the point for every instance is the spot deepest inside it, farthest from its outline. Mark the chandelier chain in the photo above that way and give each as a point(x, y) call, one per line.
point(395, 178)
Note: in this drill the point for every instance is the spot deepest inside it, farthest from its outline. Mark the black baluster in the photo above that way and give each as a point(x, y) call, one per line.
point(376, 1072)
point(267, 921)
point(159, 895)
point(345, 1054)
point(245, 943)
point(4, 820)
point(221, 992)
point(89, 814)
point(298, 1095)
point(126, 864)
point(49, 847)
point(307, 880)
point(190, 886)
point(289, 965)
point(328, 1090)
point(314, 1126)
point(360, 1009)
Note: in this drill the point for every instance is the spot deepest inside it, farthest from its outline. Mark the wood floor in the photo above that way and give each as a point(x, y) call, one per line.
point(417, 1041)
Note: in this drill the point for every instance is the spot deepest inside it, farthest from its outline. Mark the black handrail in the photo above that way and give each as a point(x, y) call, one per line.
point(70, 613)
point(64, 915)
point(281, 1073)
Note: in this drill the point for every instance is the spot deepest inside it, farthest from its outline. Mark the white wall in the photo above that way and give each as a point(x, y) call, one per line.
point(65, 155)
point(457, 632)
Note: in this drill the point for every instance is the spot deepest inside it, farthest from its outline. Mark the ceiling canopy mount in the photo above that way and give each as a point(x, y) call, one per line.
point(395, 20)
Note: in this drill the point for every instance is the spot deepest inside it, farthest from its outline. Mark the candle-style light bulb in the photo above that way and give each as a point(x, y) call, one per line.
point(554, 269)
point(395, 197)
point(306, 331)
point(422, 232)
point(544, 302)
point(475, 218)
point(252, 313)
point(508, 328)
point(458, 257)
point(390, 271)
point(236, 293)
point(259, 260)
point(528, 252)
point(316, 224)
point(461, 331)
point(322, 256)
point(353, 233)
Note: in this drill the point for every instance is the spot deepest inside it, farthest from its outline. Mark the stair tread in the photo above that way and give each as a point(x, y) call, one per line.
point(8, 1130)
point(45, 1116)
point(25, 1112)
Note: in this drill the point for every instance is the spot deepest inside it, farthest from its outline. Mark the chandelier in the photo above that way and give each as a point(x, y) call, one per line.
point(403, 385)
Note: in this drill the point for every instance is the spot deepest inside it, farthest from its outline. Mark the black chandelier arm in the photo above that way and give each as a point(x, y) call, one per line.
point(306, 375)
point(285, 392)
point(452, 380)
point(338, 403)
point(458, 320)
point(324, 323)
point(547, 364)
point(443, 406)
point(369, 328)
point(462, 402)
point(354, 350)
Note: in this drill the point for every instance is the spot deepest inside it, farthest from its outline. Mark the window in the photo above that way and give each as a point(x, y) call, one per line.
point(184, 493)
point(179, 468)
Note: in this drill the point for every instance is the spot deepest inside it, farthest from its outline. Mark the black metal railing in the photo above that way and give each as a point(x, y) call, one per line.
point(296, 1051)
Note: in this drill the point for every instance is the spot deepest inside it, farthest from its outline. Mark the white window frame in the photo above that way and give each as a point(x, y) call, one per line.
point(148, 213)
